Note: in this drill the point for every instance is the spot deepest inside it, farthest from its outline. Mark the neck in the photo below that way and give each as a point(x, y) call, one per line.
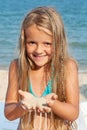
point(40, 73)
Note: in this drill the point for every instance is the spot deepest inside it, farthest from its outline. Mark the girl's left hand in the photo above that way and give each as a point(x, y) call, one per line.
point(42, 105)
point(50, 98)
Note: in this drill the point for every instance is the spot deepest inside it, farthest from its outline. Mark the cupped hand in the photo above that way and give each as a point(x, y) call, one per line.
point(51, 96)
point(50, 99)
point(28, 100)
point(42, 105)
point(25, 95)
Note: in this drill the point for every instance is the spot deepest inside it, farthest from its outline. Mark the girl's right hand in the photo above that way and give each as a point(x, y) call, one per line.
point(28, 100)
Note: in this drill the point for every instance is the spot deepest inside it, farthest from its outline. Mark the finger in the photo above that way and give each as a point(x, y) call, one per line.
point(28, 106)
point(22, 93)
point(34, 107)
point(55, 96)
point(52, 95)
point(48, 101)
point(38, 110)
point(23, 105)
point(47, 109)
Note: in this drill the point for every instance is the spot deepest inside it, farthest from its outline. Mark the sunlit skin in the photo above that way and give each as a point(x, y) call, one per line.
point(38, 45)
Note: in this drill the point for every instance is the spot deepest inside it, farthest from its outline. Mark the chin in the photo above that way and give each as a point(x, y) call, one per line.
point(38, 66)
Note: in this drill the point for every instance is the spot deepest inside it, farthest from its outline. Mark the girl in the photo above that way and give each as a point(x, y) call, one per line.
point(43, 81)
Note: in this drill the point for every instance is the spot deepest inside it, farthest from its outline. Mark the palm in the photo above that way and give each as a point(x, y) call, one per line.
point(51, 96)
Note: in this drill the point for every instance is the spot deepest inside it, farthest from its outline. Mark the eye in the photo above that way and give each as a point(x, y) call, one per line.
point(48, 44)
point(31, 42)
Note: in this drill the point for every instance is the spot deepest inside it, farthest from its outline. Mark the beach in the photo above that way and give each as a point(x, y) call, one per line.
point(4, 84)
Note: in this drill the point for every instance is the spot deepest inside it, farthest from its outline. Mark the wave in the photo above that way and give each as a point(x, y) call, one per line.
point(79, 44)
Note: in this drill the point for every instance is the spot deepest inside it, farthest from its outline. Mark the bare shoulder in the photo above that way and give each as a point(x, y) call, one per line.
point(13, 65)
point(13, 69)
point(71, 64)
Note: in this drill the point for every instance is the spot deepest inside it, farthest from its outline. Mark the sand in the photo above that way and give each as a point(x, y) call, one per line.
point(4, 84)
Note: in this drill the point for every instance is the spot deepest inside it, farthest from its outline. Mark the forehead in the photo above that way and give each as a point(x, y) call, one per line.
point(37, 31)
point(36, 27)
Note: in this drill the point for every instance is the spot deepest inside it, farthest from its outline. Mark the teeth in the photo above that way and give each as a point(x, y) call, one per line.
point(38, 56)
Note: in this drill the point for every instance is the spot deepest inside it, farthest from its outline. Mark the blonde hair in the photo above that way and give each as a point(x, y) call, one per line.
point(50, 19)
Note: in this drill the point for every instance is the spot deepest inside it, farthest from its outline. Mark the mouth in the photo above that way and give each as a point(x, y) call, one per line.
point(39, 56)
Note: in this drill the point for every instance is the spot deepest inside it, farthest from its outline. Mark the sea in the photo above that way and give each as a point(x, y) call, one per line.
point(73, 13)
point(12, 13)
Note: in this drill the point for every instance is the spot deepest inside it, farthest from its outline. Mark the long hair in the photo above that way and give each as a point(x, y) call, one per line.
point(50, 19)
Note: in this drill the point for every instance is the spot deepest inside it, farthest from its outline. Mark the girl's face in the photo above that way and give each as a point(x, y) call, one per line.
point(38, 45)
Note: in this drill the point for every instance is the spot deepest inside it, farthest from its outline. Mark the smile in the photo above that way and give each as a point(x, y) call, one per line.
point(39, 56)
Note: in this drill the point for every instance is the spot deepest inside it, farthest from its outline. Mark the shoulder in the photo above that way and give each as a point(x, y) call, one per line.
point(71, 67)
point(71, 64)
point(13, 66)
point(14, 63)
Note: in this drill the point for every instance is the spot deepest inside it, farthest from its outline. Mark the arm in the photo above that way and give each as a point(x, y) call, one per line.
point(13, 108)
point(70, 109)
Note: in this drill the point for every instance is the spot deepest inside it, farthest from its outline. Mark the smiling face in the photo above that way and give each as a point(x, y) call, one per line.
point(38, 45)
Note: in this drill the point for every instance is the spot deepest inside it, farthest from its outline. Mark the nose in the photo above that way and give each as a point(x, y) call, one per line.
point(39, 49)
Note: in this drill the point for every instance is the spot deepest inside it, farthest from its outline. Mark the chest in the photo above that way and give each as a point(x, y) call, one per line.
point(38, 91)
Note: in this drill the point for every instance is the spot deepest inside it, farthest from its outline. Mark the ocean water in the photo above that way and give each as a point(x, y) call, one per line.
point(74, 15)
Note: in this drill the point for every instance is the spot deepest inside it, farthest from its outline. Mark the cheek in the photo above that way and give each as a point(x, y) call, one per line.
point(29, 50)
point(50, 51)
